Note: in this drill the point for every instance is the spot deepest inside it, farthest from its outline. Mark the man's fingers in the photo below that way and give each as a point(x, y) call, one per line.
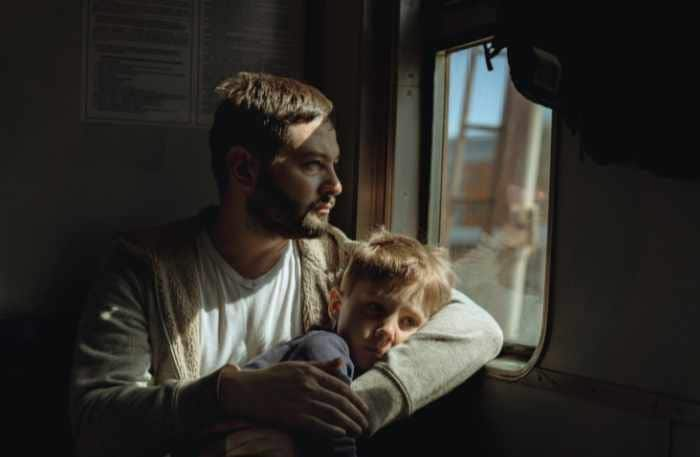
point(330, 366)
point(330, 414)
point(344, 411)
point(340, 396)
point(301, 396)
point(318, 426)
point(339, 387)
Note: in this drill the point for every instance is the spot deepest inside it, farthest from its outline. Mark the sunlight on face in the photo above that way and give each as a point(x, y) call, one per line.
point(295, 196)
point(373, 320)
point(298, 134)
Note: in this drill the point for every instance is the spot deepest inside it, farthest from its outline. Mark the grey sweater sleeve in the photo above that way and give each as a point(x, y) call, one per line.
point(452, 346)
point(115, 407)
point(112, 402)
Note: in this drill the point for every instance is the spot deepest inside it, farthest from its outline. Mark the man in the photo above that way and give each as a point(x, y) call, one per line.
point(181, 306)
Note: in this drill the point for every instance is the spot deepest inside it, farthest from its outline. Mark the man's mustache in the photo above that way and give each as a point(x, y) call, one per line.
point(327, 199)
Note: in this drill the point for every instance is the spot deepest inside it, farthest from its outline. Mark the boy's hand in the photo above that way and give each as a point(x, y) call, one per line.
point(300, 396)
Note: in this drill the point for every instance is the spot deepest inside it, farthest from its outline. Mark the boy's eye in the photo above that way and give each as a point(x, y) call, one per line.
point(408, 322)
point(374, 309)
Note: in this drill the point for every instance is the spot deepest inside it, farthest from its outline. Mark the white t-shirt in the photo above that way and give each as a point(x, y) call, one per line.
point(242, 317)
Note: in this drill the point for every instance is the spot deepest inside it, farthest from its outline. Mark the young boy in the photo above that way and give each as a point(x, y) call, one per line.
point(391, 286)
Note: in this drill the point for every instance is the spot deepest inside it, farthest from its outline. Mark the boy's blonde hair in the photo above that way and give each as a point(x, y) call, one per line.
point(403, 265)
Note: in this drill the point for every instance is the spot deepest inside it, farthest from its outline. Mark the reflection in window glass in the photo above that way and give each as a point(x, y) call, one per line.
point(496, 191)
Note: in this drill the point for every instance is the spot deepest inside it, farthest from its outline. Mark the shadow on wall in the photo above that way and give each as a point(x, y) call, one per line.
point(626, 106)
point(34, 393)
point(458, 428)
point(78, 264)
point(37, 351)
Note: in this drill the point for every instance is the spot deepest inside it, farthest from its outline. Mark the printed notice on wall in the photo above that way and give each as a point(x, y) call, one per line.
point(158, 61)
point(139, 62)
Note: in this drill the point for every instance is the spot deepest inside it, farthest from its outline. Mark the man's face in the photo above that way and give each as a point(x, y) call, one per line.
point(373, 319)
point(295, 195)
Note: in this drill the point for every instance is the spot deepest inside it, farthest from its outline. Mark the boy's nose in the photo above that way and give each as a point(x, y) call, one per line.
point(386, 337)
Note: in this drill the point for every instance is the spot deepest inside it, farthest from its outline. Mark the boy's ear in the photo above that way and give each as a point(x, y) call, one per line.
point(242, 168)
point(334, 304)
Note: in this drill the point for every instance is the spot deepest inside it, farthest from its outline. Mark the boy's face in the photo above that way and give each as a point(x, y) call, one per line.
point(372, 320)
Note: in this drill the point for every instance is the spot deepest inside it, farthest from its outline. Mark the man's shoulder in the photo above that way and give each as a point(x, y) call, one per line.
point(327, 252)
point(155, 240)
point(338, 236)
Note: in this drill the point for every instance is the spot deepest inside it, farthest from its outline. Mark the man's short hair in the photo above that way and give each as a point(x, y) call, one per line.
point(404, 266)
point(256, 112)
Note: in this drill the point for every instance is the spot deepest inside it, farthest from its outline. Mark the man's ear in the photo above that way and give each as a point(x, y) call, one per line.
point(335, 302)
point(243, 168)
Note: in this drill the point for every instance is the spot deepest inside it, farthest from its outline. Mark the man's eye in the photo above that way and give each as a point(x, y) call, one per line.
point(313, 165)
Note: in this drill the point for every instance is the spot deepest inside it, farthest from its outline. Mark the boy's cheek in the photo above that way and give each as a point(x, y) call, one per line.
point(405, 335)
point(362, 360)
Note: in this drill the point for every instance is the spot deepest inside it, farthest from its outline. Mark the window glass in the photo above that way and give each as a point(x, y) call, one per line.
point(495, 191)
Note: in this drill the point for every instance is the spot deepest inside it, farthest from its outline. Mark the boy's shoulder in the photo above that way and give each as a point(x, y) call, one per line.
point(321, 344)
point(325, 345)
point(324, 337)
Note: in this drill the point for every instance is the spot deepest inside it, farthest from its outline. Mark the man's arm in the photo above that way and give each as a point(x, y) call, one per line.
point(116, 409)
point(454, 344)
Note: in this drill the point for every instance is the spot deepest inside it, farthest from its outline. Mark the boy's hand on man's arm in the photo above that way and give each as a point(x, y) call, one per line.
point(299, 396)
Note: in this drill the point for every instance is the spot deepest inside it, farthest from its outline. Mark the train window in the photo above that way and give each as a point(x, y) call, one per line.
point(490, 193)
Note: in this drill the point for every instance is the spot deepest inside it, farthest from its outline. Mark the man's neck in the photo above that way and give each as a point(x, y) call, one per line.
point(249, 250)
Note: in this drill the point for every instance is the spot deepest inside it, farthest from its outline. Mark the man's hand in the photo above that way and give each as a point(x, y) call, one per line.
point(299, 396)
point(253, 441)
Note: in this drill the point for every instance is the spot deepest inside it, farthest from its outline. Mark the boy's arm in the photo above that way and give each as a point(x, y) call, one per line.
point(453, 344)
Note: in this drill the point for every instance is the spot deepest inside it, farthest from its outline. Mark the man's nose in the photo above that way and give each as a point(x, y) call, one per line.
point(332, 184)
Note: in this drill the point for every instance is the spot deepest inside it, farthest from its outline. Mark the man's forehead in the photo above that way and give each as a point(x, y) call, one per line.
point(315, 137)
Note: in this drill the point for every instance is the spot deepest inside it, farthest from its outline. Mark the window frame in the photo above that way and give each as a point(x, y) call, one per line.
point(515, 361)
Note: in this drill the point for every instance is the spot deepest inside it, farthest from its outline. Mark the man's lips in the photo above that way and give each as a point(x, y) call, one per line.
point(324, 207)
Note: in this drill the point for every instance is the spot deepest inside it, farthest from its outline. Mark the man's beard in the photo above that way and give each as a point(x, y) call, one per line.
point(273, 210)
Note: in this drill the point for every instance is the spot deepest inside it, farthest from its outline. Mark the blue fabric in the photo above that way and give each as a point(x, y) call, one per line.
point(315, 346)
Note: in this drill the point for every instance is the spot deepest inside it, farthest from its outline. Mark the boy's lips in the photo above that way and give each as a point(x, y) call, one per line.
point(374, 351)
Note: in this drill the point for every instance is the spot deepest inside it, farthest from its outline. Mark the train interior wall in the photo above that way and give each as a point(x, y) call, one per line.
point(68, 186)
point(624, 294)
